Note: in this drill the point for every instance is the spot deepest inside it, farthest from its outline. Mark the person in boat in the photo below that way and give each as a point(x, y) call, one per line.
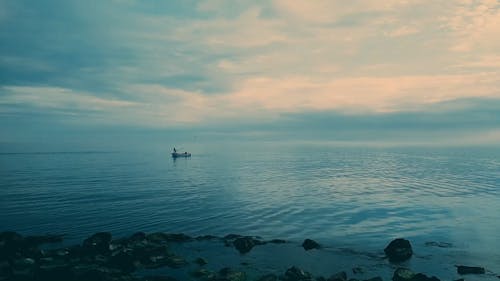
point(175, 151)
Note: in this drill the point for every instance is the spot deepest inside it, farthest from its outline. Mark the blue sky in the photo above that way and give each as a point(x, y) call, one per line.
point(358, 70)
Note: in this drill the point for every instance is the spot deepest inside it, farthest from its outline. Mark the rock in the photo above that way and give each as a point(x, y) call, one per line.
point(122, 261)
point(159, 278)
point(98, 243)
point(200, 261)
point(268, 277)
point(378, 278)
point(54, 273)
point(228, 274)
point(93, 274)
point(309, 244)
point(204, 274)
point(232, 236)
point(438, 244)
point(245, 244)
point(341, 276)
point(277, 241)
point(43, 239)
point(462, 269)
point(423, 277)
point(206, 237)
point(404, 274)
point(398, 250)
point(296, 274)
point(11, 244)
point(357, 270)
point(157, 237)
point(178, 237)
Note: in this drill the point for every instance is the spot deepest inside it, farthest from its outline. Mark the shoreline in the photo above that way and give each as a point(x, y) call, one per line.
point(168, 256)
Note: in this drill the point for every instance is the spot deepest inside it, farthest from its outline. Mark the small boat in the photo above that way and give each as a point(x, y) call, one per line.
point(181, 154)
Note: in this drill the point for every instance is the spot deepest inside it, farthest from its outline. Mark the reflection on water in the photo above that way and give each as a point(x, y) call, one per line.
point(342, 196)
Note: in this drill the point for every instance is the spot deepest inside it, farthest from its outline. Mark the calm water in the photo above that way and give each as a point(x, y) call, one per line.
point(358, 197)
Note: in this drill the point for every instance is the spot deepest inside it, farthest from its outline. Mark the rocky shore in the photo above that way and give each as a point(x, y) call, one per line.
point(168, 257)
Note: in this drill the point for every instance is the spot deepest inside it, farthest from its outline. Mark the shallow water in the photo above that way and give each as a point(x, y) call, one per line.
point(353, 197)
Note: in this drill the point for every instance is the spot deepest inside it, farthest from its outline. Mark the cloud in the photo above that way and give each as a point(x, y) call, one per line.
point(175, 64)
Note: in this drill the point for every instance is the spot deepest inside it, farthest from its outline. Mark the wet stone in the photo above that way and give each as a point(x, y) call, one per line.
point(310, 244)
point(296, 274)
point(340, 276)
point(200, 261)
point(159, 278)
point(204, 274)
point(268, 277)
point(398, 250)
point(462, 269)
point(403, 274)
point(378, 278)
point(97, 243)
point(245, 244)
point(277, 241)
point(357, 270)
point(228, 274)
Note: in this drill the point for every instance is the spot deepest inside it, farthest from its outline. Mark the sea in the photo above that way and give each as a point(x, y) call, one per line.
point(358, 197)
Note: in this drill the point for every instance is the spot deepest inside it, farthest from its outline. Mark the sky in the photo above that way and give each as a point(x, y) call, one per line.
point(351, 71)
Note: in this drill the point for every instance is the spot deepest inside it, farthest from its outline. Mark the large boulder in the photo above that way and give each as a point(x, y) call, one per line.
point(398, 250)
point(309, 244)
point(245, 244)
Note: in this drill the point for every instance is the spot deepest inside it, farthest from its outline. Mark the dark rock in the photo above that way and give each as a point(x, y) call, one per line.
point(404, 274)
point(93, 274)
point(438, 244)
point(161, 261)
point(204, 274)
point(296, 274)
point(144, 252)
point(43, 239)
point(462, 269)
point(97, 243)
point(309, 244)
point(122, 261)
point(11, 244)
point(228, 274)
point(179, 237)
point(54, 273)
point(268, 277)
point(277, 241)
point(423, 277)
point(341, 276)
point(232, 236)
point(206, 237)
point(398, 250)
point(157, 237)
point(159, 278)
point(245, 244)
point(138, 236)
point(378, 278)
point(357, 270)
point(200, 261)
